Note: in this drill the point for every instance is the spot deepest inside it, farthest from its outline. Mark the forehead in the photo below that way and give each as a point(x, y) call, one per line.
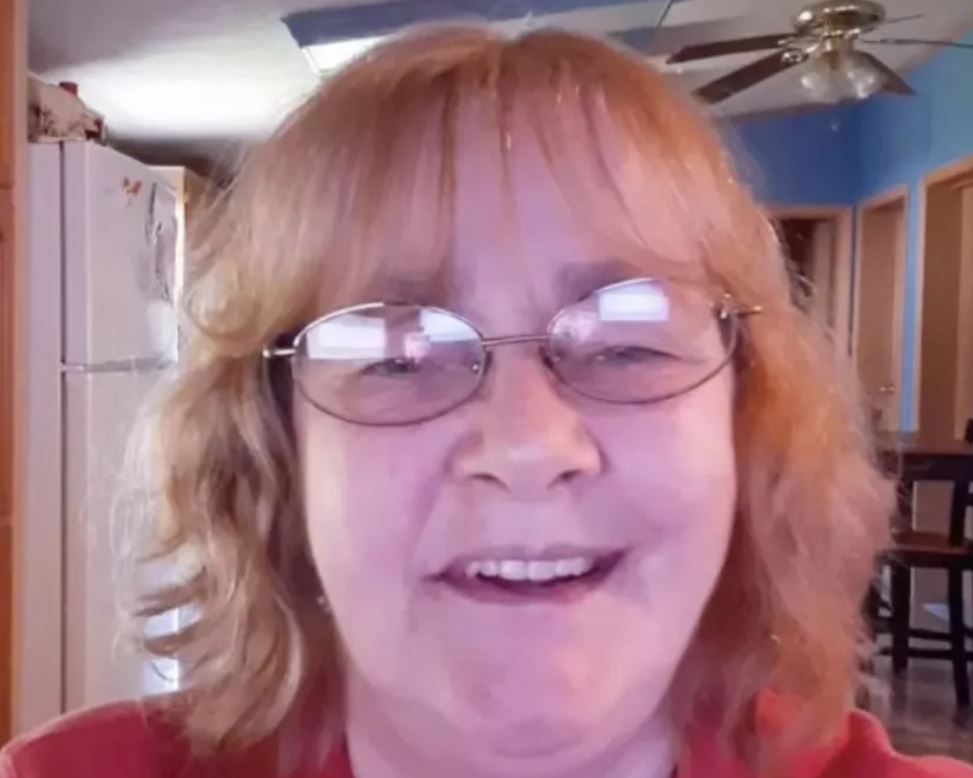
point(545, 209)
point(564, 212)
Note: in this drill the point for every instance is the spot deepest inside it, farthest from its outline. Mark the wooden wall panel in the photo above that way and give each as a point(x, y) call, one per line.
point(13, 138)
point(8, 66)
point(6, 354)
point(6, 366)
point(6, 619)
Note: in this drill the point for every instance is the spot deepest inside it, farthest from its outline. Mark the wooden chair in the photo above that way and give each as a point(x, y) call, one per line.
point(950, 551)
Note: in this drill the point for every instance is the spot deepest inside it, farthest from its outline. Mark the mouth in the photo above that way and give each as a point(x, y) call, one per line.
point(512, 579)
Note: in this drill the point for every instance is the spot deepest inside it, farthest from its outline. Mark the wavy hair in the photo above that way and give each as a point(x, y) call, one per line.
point(295, 233)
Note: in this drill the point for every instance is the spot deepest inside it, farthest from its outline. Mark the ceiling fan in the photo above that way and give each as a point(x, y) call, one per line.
point(825, 36)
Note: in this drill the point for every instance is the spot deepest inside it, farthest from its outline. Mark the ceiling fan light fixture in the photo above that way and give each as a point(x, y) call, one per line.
point(836, 76)
point(865, 79)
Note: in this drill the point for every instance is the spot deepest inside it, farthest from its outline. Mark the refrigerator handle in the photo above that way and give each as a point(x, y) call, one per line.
point(135, 365)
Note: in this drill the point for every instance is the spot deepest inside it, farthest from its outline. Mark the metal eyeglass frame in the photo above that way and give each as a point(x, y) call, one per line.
point(725, 310)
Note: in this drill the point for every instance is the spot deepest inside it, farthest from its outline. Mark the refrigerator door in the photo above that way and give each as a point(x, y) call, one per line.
point(119, 256)
point(40, 639)
point(120, 236)
point(100, 410)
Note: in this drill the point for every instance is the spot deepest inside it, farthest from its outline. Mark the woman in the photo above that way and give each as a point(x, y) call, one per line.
point(499, 449)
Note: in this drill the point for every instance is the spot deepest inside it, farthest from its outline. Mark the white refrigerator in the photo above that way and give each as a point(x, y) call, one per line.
point(104, 267)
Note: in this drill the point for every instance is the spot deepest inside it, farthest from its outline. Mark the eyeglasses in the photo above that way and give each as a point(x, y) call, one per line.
point(639, 341)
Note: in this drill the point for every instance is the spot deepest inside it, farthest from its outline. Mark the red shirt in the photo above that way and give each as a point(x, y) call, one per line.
point(121, 741)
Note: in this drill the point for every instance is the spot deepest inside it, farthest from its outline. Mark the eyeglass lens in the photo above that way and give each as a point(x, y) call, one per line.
point(635, 342)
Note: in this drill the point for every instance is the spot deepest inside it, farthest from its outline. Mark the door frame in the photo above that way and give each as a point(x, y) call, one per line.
point(875, 203)
point(843, 271)
point(957, 169)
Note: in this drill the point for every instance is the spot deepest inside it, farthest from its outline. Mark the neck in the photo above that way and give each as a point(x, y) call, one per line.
point(390, 739)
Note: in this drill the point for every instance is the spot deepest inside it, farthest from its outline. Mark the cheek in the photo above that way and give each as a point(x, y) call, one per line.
point(684, 447)
point(359, 491)
point(678, 463)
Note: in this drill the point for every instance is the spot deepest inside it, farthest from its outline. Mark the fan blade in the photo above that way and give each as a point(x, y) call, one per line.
point(641, 38)
point(719, 90)
point(893, 81)
point(735, 46)
point(899, 19)
point(915, 42)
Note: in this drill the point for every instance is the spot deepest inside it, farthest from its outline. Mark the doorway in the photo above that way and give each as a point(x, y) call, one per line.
point(945, 380)
point(944, 371)
point(880, 300)
point(817, 244)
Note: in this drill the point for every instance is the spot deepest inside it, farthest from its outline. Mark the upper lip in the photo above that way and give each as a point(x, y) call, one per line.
point(523, 553)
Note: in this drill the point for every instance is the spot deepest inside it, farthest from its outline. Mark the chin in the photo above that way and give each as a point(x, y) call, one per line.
point(525, 710)
point(523, 718)
point(532, 735)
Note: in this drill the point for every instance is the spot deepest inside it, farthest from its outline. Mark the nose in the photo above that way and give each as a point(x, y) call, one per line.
point(527, 437)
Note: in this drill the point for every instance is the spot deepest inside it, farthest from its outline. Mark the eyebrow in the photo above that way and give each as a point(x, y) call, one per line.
point(578, 281)
point(415, 288)
point(574, 282)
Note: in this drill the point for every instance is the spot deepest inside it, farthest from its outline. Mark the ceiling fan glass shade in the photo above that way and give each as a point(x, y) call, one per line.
point(835, 76)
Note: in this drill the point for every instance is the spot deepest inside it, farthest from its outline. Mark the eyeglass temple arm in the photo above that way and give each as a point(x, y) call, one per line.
point(743, 311)
point(278, 353)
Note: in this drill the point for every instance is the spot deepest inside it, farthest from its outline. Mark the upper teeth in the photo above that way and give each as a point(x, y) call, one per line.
point(529, 570)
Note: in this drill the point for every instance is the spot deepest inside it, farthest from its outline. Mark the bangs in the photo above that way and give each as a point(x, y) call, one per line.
point(354, 199)
point(637, 166)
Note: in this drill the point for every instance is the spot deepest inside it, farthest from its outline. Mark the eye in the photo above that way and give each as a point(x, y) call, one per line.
point(397, 367)
point(628, 355)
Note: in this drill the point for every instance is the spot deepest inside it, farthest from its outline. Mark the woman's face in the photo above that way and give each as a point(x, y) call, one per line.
point(524, 472)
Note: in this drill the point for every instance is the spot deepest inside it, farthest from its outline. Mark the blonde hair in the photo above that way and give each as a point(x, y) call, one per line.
point(301, 217)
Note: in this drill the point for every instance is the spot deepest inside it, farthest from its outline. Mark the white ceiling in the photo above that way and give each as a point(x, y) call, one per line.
point(183, 77)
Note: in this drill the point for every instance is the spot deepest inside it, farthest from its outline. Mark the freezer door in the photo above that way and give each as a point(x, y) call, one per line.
point(100, 411)
point(120, 237)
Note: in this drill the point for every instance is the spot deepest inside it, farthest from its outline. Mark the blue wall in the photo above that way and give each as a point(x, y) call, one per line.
point(901, 140)
point(806, 159)
point(846, 155)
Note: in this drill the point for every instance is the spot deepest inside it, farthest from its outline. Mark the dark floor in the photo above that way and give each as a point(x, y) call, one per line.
point(919, 710)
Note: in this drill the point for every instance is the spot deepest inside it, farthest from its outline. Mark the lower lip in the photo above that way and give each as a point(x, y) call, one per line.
point(498, 592)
